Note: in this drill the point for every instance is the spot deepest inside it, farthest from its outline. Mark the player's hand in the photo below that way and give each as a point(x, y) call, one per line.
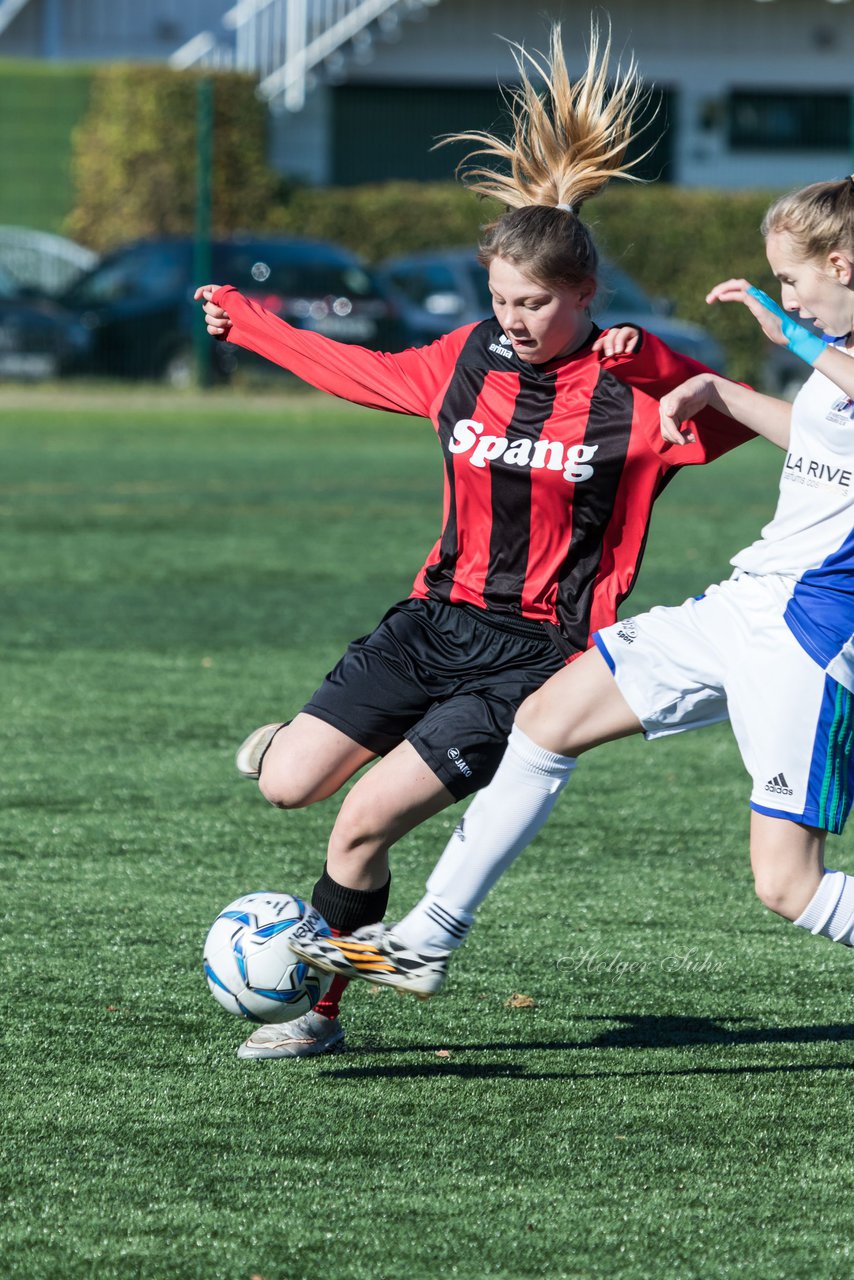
point(620, 341)
point(770, 317)
point(681, 404)
point(217, 320)
point(777, 324)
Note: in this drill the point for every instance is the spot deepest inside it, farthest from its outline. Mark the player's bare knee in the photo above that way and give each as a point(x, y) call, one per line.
point(545, 723)
point(778, 894)
point(285, 791)
point(356, 826)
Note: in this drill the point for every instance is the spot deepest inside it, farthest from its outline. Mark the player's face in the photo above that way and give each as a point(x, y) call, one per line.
point(818, 290)
point(542, 321)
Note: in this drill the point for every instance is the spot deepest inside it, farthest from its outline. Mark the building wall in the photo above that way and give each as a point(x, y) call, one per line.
point(697, 50)
point(93, 30)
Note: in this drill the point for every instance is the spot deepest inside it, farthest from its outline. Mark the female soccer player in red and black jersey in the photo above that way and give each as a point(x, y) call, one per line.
point(553, 458)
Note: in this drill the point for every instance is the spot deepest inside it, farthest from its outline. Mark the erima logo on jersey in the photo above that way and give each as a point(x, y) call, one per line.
point(778, 786)
point(550, 455)
point(502, 347)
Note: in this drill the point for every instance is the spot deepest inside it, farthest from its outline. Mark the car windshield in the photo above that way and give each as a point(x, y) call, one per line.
point(8, 286)
point(619, 292)
point(296, 276)
point(481, 287)
point(143, 271)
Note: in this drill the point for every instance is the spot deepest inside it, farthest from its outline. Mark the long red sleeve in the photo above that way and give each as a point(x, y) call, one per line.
point(403, 382)
point(656, 369)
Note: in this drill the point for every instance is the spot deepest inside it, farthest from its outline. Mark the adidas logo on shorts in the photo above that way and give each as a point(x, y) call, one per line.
point(778, 786)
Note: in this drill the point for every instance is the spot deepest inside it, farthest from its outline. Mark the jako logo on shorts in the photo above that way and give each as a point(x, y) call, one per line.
point(454, 754)
point(573, 460)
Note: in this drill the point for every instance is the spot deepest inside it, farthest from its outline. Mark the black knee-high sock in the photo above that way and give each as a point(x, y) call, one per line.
point(344, 910)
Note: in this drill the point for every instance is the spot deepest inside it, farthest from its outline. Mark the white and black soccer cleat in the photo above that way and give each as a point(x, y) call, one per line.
point(304, 1037)
point(251, 752)
point(376, 955)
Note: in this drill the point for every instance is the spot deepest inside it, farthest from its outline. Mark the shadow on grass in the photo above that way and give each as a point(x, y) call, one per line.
point(501, 1071)
point(632, 1032)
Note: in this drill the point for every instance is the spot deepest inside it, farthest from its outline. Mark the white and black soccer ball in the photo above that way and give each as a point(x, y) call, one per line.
point(249, 966)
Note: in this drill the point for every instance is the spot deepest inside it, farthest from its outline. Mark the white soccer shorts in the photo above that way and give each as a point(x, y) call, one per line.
point(730, 655)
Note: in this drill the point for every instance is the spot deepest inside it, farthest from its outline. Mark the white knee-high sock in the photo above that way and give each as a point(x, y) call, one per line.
point(498, 824)
point(830, 911)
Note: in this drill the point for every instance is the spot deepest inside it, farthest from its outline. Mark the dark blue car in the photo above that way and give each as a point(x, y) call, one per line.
point(137, 302)
point(38, 338)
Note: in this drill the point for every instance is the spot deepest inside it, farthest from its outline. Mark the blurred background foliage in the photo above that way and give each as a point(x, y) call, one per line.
point(134, 156)
point(676, 243)
point(134, 171)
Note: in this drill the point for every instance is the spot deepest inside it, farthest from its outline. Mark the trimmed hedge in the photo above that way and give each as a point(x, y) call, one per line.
point(676, 243)
point(384, 219)
point(39, 103)
point(134, 161)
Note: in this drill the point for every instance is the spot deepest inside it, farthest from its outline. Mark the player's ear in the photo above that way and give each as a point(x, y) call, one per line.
point(841, 266)
point(586, 292)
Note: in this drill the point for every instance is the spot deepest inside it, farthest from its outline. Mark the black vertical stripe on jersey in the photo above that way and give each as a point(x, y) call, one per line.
point(460, 402)
point(609, 426)
point(510, 536)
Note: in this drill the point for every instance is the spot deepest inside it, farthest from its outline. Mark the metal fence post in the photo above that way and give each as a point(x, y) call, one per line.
point(202, 241)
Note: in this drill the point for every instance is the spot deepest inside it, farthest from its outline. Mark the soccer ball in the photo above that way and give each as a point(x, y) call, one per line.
point(249, 966)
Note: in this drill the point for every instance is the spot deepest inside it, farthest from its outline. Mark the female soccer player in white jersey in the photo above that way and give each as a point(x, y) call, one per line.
point(553, 457)
point(771, 648)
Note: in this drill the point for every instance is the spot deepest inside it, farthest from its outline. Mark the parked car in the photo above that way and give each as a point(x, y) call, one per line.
point(437, 291)
point(137, 302)
point(38, 339)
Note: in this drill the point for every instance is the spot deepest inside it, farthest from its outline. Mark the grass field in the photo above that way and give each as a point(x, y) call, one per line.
point(677, 1101)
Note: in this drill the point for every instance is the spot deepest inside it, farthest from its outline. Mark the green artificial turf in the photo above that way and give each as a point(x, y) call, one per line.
point(676, 1101)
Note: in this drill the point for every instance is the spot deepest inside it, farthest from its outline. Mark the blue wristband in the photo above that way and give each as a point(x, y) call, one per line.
point(799, 340)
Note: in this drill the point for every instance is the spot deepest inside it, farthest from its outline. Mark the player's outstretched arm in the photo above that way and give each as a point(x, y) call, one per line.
point(401, 382)
point(765, 415)
point(785, 331)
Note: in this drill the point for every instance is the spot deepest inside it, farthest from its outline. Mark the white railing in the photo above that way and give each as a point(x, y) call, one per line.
point(47, 262)
point(283, 42)
point(9, 9)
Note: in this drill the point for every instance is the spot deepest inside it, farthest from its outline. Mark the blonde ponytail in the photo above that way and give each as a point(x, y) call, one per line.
point(567, 145)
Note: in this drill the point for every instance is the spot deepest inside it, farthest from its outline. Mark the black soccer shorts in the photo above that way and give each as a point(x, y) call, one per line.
point(447, 678)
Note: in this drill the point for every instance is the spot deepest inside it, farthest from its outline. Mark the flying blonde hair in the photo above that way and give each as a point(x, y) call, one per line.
point(567, 144)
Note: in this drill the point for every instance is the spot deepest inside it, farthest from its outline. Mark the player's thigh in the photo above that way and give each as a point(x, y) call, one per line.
point(580, 707)
point(787, 860)
point(794, 725)
point(395, 796)
point(309, 760)
point(658, 673)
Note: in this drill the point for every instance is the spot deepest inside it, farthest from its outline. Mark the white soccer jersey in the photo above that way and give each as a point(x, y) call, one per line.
point(810, 541)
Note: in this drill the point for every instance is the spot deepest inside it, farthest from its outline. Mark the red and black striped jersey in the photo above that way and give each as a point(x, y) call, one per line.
point(550, 470)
